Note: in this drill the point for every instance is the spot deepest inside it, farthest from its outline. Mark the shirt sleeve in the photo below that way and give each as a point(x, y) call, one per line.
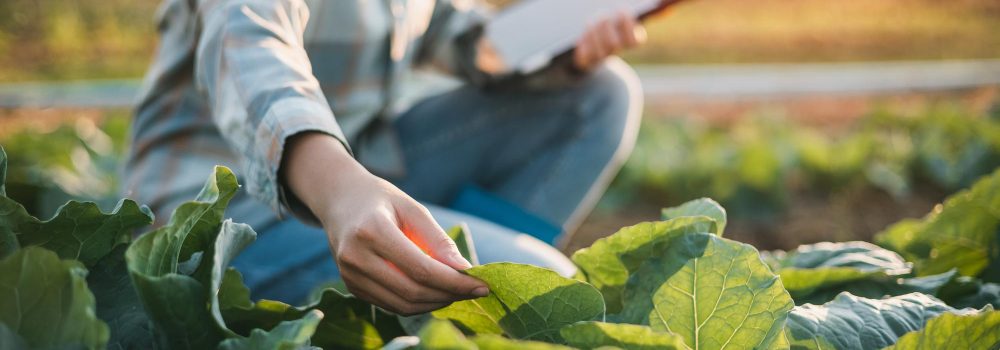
point(252, 66)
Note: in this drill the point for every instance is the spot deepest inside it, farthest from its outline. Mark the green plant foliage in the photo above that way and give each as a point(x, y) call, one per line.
point(525, 302)
point(608, 263)
point(699, 207)
point(463, 240)
point(711, 291)
point(962, 233)
point(45, 303)
point(589, 335)
point(964, 292)
point(954, 331)
point(817, 273)
point(79, 230)
point(442, 335)
point(287, 335)
point(851, 322)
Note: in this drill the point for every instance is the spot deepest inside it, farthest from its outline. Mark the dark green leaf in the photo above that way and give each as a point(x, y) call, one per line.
point(287, 335)
point(118, 304)
point(851, 322)
point(46, 302)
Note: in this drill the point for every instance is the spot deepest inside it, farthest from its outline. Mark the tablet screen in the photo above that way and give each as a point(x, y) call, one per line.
point(527, 35)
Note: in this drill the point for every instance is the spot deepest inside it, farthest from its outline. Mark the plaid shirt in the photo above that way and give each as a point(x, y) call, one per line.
point(233, 79)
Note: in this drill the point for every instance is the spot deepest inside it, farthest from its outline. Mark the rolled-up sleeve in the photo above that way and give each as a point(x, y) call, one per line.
point(252, 66)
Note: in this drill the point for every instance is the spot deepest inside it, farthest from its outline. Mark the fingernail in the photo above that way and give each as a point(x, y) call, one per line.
point(460, 260)
point(481, 292)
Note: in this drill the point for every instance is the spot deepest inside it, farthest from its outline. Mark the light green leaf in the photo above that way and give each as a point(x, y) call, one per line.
point(952, 331)
point(711, 291)
point(851, 322)
point(699, 207)
point(496, 342)
point(525, 302)
point(442, 335)
point(46, 302)
point(463, 240)
point(608, 263)
point(962, 234)
point(589, 335)
point(287, 335)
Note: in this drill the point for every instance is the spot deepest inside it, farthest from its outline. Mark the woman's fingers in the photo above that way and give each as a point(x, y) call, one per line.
point(419, 226)
point(370, 290)
point(398, 249)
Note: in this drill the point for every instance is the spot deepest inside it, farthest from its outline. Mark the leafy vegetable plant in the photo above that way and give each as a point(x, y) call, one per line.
point(79, 280)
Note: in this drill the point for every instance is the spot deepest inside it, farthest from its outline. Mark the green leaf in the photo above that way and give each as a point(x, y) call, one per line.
point(496, 342)
point(963, 292)
point(589, 335)
point(10, 340)
point(951, 331)
point(178, 301)
point(699, 207)
point(463, 240)
point(817, 273)
point(962, 234)
point(851, 322)
point(79, 230)
point(525, 302)
point(348, 322)
point(711, 291)
point(608, 263)
point(46, 302)
point(118, 304)
point(286, 335)
point(442, 335)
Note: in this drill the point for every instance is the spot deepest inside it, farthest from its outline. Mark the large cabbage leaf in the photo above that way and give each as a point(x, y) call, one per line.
point(525, 302)
point(608, 263)
point(711, 291)
point(953, 331)
point(592, 334)
point(45, 303)
point(817, 273)
point(851, 322)
point(962, 233)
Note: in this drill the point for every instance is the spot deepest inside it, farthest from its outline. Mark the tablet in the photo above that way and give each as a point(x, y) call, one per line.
point(526, 36)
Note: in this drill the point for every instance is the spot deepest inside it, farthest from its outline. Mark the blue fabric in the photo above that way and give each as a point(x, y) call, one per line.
point(476, 201)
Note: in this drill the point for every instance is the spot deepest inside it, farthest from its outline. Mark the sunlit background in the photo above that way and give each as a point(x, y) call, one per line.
point(809, 120)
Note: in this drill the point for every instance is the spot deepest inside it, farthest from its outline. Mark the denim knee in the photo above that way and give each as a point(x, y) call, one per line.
point(611, 103)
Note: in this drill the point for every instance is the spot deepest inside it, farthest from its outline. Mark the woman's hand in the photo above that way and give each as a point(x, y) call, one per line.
point(607, 37)
point(389, 249)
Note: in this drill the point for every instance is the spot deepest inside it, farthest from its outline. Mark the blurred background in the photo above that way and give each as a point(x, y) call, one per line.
point(808, 120)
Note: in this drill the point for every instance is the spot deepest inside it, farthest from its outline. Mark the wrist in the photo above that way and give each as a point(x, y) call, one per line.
point(315, 165)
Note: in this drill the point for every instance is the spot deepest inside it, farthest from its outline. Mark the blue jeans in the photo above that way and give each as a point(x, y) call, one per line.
point(552, 153)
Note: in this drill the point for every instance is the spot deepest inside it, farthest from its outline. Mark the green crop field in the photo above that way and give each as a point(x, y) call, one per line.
point(78, 39)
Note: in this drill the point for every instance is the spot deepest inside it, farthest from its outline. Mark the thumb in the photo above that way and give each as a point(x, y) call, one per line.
point(419, 226)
